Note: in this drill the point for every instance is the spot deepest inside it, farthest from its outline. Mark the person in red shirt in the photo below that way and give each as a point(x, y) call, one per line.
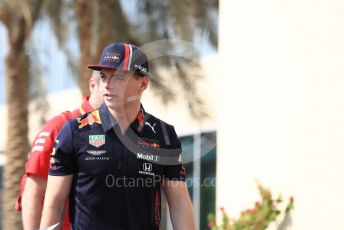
point(34, 181)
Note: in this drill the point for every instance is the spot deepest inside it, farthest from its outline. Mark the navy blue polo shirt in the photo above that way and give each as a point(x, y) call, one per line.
point(117, 177)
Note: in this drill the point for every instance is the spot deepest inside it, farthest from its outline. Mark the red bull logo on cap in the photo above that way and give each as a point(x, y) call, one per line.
point(112, 57)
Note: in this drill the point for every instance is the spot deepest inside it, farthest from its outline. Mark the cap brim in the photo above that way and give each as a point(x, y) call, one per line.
point(99, 67)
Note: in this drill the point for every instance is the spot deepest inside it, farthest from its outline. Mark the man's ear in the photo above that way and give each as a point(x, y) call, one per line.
point(144, 84)
point(91, 84)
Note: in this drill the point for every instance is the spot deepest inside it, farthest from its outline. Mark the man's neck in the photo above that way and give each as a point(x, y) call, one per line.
point(125, 115)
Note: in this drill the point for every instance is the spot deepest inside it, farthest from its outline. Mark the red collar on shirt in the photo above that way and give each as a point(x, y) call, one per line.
point(85, 106)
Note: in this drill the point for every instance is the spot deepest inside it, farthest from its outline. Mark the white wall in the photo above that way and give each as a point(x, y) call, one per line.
point(281, 107)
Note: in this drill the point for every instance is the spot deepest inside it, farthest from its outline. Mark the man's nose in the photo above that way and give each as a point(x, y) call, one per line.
point(108, 82)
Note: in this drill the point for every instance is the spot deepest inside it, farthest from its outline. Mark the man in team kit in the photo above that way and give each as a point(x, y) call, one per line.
point(112, 163)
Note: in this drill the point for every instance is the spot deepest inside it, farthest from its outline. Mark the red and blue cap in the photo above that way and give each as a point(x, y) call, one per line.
point(123, 56)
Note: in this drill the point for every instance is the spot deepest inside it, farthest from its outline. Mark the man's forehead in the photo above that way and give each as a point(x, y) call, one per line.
point(115, 71)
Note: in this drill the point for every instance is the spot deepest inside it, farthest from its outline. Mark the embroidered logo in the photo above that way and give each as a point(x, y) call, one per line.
point(96, 152)
point(152, 127)
point(148, 144)
point(112, 57)
point(90, 119)
point(147, 167)
point(96, 140)
point(147, 157)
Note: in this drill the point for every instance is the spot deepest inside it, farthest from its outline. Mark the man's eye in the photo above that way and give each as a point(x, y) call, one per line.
point(119, 76)
point(102, 76)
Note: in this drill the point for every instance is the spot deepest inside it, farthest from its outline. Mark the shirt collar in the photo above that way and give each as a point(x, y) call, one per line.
point(109, 122)
point(86, 106)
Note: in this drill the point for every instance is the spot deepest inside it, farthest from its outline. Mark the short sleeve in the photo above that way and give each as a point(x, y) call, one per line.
point(42, 147)
point(62, 159)
point(175, 171)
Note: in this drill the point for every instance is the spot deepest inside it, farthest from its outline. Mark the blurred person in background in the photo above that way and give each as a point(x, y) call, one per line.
point(34, 181)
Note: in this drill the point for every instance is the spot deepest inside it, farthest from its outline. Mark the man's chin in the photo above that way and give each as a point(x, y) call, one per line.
point(114, 105)
point(118, 105)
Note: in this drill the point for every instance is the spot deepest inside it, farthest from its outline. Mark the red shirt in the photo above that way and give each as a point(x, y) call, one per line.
point(42, 147)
